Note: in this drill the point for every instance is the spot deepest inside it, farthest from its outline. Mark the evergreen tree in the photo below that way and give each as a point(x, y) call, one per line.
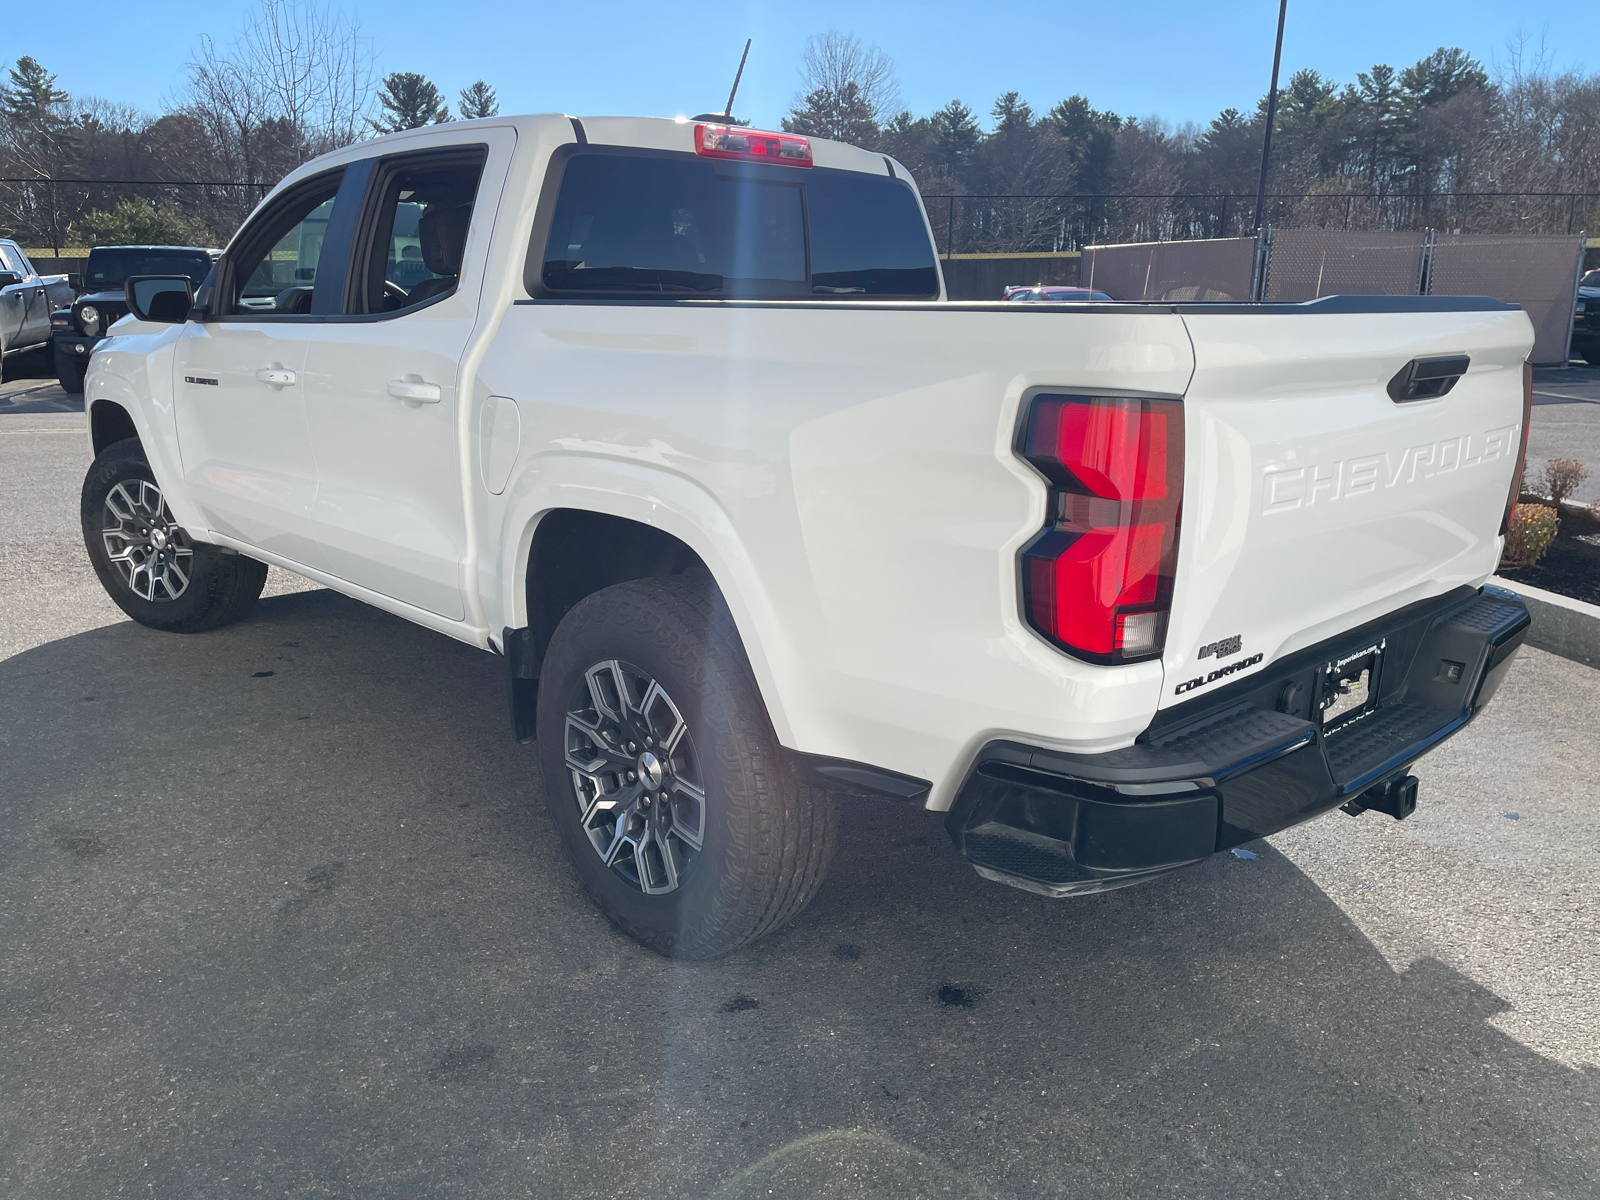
point(842, 114)
point(477, 101)
point(1090, 138)
point(33, 113)
point(134, 221)
point(955, 137)
point(1442, 76)
point(37, 140)
point(409, 102)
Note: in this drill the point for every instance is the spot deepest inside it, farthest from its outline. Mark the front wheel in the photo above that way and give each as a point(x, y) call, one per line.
point(146, 562)
point(71, 374)
point(664, 777)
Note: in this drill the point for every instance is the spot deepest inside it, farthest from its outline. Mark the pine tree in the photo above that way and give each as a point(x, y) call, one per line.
point(956, 137)
point(843, 115)
point(33, 111)
point(477, 101)
point(36, 139)
point(409, 102)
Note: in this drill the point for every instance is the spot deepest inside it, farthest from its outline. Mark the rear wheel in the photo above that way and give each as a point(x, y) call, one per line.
point(664, 777)
point(1591, 355)
point(147, 563)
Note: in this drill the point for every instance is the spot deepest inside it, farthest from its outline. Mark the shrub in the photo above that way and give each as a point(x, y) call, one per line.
point(136, 222)
point(1528, 535)
point(1561, 478)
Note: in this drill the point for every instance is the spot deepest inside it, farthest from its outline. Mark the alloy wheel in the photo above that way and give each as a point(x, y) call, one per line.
point(635, 776)
point(148, 549)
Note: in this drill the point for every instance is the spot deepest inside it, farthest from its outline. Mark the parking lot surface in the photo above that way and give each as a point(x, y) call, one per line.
point(1566, 424)
point(282, 913)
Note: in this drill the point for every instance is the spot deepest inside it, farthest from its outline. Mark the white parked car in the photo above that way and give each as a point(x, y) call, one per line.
point(678, 420)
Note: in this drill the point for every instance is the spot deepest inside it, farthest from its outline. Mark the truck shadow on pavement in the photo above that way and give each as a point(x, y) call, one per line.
point(280, 906)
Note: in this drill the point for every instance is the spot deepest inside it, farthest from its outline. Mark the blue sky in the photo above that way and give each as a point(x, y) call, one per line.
point(1178, 59)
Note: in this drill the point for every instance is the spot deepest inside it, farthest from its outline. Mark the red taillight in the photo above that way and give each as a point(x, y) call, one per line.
point(1522, 450)
point(1098, 580)
point(751, 145)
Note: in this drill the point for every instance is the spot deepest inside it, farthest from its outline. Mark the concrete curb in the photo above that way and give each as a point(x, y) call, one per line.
point(1561, 625)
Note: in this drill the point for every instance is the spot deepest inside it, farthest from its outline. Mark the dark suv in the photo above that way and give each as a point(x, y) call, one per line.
point(75, 331)
point(1586, 321)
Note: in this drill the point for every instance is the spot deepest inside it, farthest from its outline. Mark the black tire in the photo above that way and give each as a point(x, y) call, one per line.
point(70, 374)
point(767, 838)
point(1591, 355)
point(219, 586)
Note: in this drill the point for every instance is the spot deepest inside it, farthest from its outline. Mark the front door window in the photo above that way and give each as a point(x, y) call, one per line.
point(274, 272)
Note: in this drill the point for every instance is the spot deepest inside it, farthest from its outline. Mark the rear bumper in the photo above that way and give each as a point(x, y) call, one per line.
point(1244, 762)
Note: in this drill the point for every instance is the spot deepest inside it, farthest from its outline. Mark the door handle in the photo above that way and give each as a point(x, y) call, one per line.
point(413, 389)
point(276, 376)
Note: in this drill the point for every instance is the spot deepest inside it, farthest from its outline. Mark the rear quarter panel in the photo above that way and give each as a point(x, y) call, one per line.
point(847, 473)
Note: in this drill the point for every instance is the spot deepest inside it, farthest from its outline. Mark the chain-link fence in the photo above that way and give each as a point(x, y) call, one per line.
point(992, 224)
point(1217, 269)
point(1539, 273)
point(59, 213)
point(1303, 264)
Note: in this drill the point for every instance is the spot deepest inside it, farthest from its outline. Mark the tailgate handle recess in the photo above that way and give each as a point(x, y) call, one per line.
point(1427, 378)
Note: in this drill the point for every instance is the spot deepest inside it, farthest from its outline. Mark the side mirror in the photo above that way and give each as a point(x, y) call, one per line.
point(75, 281)
point(8, 278)
point(163, 298)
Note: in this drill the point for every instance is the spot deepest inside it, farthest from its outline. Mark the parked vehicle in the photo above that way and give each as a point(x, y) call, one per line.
point(1056, 294)
point(1586, 320)
point(678, 420)
point(26, 298)
point(80, 323)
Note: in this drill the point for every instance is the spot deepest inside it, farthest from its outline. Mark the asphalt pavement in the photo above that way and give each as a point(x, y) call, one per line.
point(282, 913)
point(1566, 423)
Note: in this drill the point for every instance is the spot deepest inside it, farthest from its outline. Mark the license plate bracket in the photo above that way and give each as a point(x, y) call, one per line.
point(1347, 687)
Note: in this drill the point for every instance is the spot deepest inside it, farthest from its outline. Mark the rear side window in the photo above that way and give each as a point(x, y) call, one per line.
point(678, 226)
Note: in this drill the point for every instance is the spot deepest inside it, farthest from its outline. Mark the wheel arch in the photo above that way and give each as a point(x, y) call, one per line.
point(575, 552)
point(109, 423)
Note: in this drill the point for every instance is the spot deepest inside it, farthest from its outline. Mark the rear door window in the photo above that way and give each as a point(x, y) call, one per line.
point(416, 235)
point(672, 225)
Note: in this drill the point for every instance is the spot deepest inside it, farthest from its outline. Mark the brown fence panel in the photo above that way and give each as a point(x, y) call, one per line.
point(1308, 263)
point(1538, 272)
point(986, 276)
point(1212, 269)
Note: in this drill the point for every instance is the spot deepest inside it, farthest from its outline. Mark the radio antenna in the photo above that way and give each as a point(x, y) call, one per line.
point(728, 112)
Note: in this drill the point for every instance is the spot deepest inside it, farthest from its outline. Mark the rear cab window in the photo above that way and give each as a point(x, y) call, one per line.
point(644, 223)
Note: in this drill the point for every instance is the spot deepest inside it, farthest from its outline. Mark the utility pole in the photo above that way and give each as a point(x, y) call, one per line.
point(1272, 113)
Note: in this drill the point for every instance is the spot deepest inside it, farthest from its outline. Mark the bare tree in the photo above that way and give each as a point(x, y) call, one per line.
point(298, 81)
point(838, 72)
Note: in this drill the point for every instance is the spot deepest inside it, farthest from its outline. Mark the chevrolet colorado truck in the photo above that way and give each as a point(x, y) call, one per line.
point(677, 419)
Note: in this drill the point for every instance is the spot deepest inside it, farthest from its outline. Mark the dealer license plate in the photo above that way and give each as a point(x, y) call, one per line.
point(1349, 687)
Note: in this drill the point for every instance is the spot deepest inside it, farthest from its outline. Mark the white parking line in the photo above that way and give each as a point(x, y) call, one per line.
point(1564, 396)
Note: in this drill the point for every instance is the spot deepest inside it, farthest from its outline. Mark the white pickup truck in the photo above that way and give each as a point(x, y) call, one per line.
point(676, 418)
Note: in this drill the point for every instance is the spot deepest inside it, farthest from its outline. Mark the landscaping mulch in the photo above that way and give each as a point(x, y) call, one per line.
point(1571, 567)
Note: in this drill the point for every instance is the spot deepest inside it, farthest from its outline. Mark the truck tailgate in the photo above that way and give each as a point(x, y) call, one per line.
point(1314, 502)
